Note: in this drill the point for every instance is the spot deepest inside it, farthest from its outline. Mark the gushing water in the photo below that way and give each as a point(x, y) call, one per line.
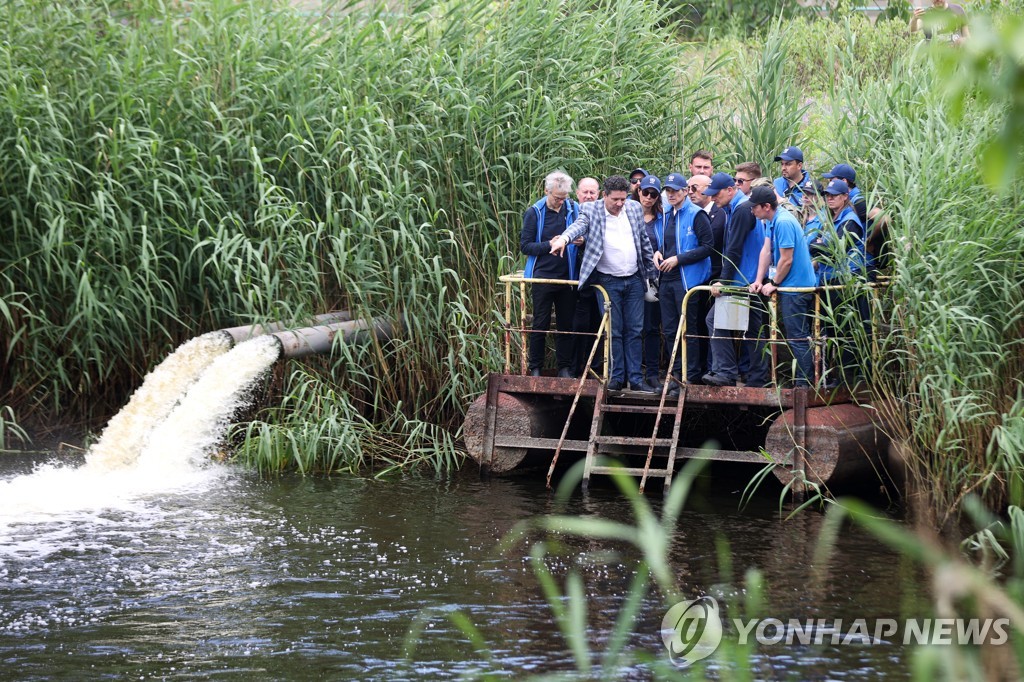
point(127, 431)
point(159, 442)
point(194, 427)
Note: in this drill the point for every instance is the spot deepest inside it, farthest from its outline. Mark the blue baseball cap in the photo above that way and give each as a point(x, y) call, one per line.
point(812, 187)
point(791, 154)
point(842, 170)
point(837, 186)
point(719, 181)
point(675, 181)
point(651, 182)
point(638, 170)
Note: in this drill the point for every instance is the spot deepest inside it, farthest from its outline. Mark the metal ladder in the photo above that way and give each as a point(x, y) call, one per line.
point(603, 404)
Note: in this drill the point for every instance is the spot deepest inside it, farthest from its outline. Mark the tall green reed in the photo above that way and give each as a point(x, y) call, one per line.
point(169, 173)
point(946, 371)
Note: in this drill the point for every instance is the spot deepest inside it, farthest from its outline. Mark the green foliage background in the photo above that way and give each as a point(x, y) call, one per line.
point(169, 172)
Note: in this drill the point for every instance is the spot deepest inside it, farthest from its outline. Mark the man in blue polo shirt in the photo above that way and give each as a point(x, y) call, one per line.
point(790, 185)
point(786, 262)
point(743, 243)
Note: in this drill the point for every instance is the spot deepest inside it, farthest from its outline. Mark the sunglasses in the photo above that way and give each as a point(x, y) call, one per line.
point(694, 188)
point(634, 181)
point(650, 193)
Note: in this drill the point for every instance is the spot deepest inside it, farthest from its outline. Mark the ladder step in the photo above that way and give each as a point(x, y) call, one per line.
point(631, 440)
point(669, 410)
point(629, 471)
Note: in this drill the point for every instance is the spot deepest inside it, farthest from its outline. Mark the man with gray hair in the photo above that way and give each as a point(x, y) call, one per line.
point(546, 218)
point(620, 259)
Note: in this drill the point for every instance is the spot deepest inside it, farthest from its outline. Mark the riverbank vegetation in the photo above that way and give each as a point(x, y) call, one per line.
point(169, 172)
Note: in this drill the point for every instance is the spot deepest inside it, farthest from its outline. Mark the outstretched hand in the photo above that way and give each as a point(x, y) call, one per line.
point(557, 245)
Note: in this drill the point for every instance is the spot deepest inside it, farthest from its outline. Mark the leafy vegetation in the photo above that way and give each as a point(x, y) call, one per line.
point(168, 173)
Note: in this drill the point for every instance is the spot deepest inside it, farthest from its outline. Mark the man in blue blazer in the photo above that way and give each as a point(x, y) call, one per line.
point(618, 258)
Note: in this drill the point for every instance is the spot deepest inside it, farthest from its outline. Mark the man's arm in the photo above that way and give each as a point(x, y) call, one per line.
point(739, 229)
point(580, 228)
point(781, 270)
point(763, 262)
point(528, 243)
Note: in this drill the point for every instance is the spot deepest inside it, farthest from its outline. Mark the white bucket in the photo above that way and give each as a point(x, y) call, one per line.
point(732, 312)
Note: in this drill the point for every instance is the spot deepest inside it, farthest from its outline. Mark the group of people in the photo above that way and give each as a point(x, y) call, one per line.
point(646, 241)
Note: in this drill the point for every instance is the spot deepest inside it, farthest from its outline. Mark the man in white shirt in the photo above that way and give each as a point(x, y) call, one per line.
point(619, 258)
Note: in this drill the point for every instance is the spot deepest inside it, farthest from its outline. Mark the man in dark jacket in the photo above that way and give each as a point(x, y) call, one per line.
point(548, 217)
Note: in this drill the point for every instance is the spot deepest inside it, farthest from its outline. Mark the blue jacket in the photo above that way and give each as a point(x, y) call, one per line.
point(744, 239)
point(687, 239)
point(573, 211)
point(794, 193)
point(847, 228)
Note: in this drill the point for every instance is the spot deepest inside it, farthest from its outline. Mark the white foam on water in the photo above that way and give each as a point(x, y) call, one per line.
point(127, 431)
point(168, 435)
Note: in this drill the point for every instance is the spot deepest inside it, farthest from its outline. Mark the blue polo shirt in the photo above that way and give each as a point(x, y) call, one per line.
point(786, 233)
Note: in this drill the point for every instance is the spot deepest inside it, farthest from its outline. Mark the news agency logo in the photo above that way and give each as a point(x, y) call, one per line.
point(692, 630)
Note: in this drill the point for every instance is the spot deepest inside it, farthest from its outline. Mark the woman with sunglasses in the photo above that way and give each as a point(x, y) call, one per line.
point(649, 195)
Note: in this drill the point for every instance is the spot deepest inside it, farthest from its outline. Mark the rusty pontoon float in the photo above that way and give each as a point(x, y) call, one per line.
point(807, 436)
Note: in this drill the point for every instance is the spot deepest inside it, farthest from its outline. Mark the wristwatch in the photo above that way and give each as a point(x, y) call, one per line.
point(772, 282)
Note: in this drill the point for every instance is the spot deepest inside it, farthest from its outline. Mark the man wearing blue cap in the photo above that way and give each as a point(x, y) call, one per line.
point(844, 171)
point(619, 259)
point(794, 177)
point(683, 254)
point(842, 255)
point(744, 239)
point(786, 262)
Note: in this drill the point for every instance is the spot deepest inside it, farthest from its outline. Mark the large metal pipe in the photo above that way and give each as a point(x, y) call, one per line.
point(298, 343)
point(246, 332)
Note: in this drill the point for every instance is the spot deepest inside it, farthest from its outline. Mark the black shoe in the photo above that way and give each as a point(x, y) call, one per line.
point(654, 383)
point(673, 392)
point(614, 385)
point(717, 380)
point(565, 373)
point(535, 372)
point(643, 387)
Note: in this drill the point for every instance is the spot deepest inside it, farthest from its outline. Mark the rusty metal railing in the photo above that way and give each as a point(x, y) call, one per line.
point(816, 340)
point(511, 329)
point(774, 338)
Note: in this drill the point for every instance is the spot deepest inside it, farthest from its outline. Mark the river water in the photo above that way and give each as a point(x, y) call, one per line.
point(220, 575)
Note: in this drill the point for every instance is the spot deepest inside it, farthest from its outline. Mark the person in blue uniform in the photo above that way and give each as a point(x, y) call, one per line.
point(744, 239)
point(683, 255)
point(791, 183)
point(546, 218)
point(785, 262)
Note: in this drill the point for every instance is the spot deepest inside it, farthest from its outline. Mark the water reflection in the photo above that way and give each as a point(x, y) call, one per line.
point(322, 578)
